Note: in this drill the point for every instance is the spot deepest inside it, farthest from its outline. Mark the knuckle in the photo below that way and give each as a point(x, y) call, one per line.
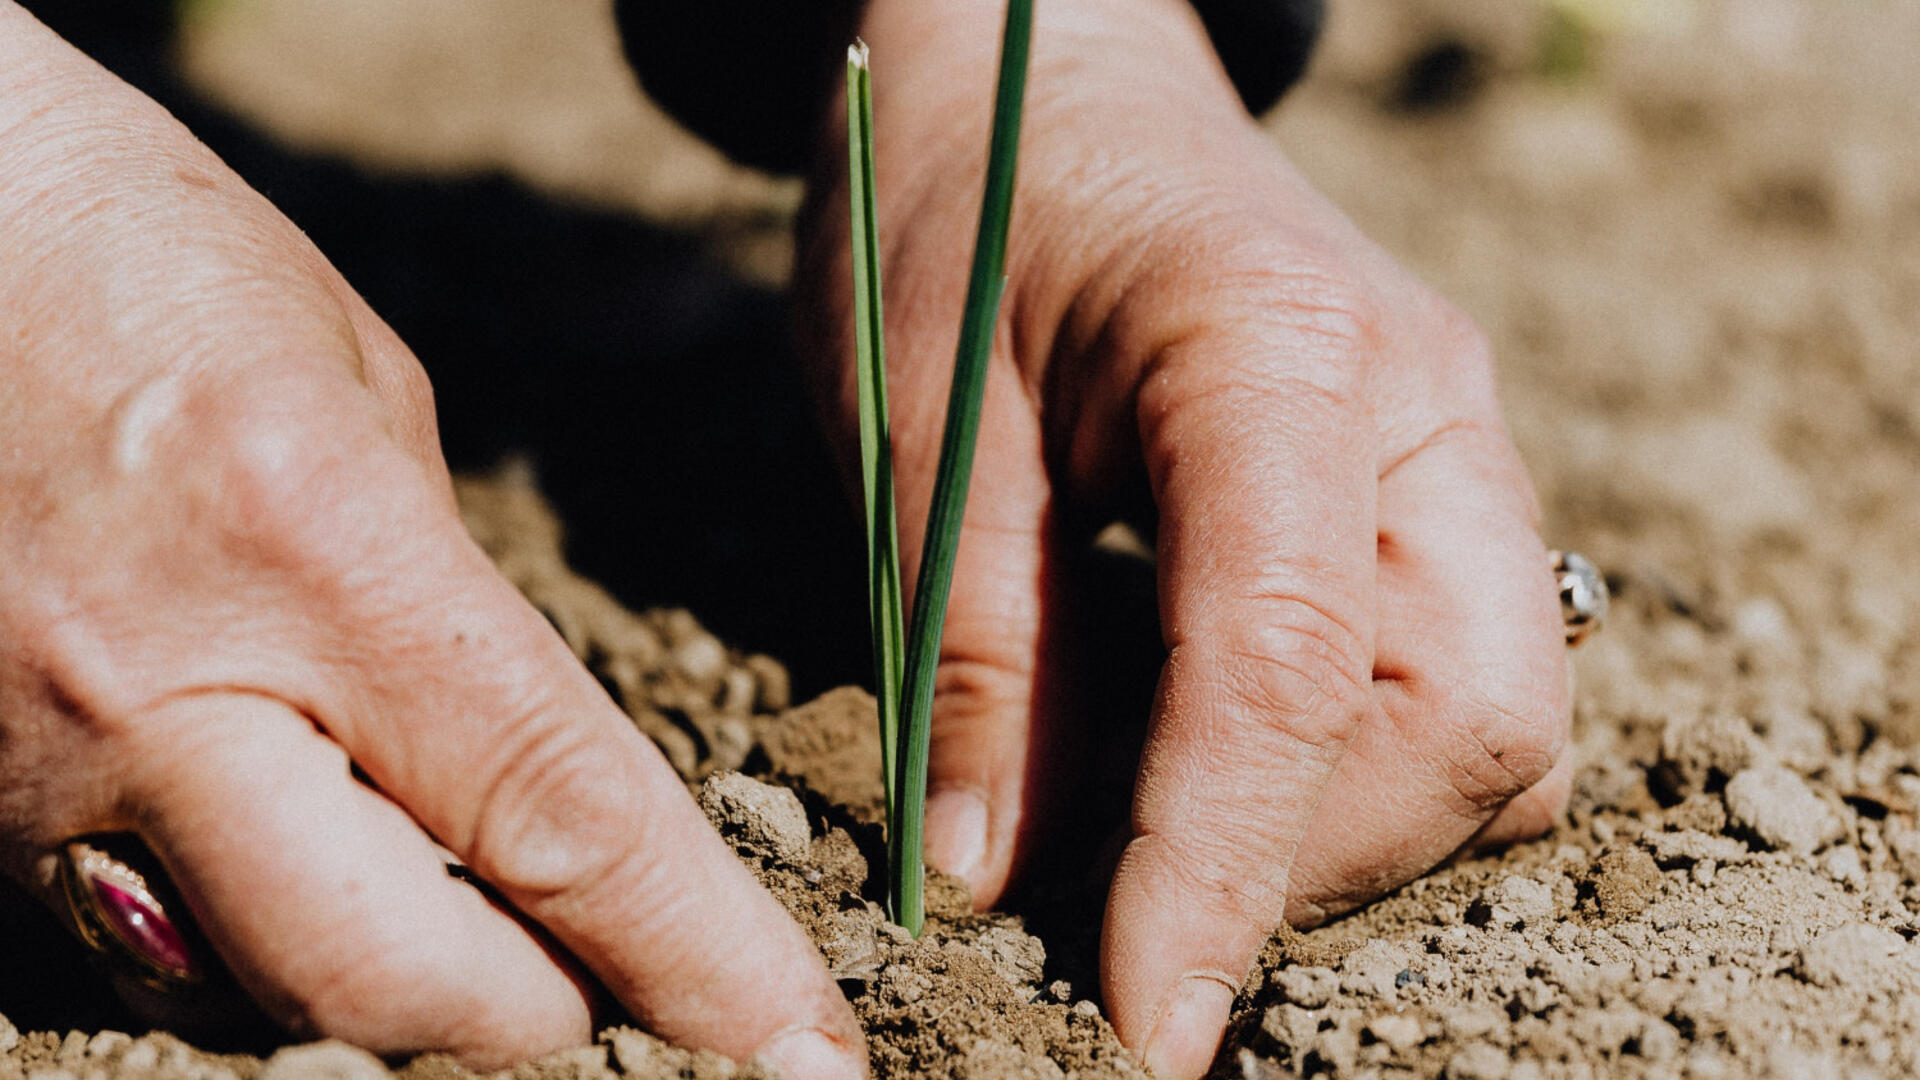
point(1460, 339)
point(409, 396)
point(1311, 322)
point(1252, 405)
point(970, 690)
point(1331, 310)
point(1223, 869)
point(1505, 746)
point(269, 483)
point(1441, 366)
point(65, 683)
point(1303, 672)
point(1459, 362)
point(300, 491)
point(358, 986)
point(556, 817)
point(402, 379)
point(383, 994)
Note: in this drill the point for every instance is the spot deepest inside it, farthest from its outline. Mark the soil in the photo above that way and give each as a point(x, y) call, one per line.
point(1692, 232)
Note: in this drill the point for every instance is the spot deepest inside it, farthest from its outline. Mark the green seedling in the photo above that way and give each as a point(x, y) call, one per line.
point(904, 662)
point(876, 458)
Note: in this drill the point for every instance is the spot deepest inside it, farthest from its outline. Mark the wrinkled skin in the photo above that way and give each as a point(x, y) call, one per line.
point(1366, 668)
point(234, 567)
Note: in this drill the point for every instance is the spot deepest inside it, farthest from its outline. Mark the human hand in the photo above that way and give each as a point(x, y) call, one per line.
point(1365, 662)
point(234, 569)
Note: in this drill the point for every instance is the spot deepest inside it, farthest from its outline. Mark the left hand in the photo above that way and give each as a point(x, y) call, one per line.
point(240, 617)
point(1366, 665)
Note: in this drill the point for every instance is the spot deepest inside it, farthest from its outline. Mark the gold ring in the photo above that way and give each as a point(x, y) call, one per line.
point(121, 915)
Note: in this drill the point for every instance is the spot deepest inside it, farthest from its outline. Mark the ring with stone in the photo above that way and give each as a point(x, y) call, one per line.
point(1583, 595)
point(124, 909)
point(128, 917)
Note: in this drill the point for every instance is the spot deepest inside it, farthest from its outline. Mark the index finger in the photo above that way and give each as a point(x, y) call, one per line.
point(1259, 453)
point(461, 702)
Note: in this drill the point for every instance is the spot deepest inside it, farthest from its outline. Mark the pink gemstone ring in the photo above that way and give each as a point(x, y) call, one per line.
point(121, 916)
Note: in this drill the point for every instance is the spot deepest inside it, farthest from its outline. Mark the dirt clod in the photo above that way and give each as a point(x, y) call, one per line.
point(1854, 952)
point(1781, 809)
point(643, 1057)
point(1624, 882)
point(765, 819)
point(327, 1060)
point(1514, 902)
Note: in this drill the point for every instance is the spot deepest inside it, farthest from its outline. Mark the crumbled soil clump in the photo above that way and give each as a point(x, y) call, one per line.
point(969, 998)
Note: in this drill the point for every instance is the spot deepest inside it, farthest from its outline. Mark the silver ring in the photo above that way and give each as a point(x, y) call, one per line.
point(1583, 595)
point(120, 914)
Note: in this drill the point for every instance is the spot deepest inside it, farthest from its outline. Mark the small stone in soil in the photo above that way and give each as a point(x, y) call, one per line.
point(1477, 1062)
point(1856, 952)
point(1290, 1026)
point(1517, 902)
point(1308, 986)
point(1777, 806)
point(1843, 865)
point(1398, 1031)
point(1713, 745)
point(1371, 969)
point(329, 1060)
point(766, 818)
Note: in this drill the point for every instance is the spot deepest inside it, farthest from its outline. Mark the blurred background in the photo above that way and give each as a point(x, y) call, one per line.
point(1690, 227)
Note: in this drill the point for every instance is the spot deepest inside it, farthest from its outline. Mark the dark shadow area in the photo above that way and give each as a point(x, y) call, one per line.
point(657, 395)
point(47, 981)
point(1447, 74)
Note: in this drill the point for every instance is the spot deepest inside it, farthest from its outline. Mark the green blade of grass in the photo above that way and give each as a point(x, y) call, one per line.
point(986, 282)
point(876, 453)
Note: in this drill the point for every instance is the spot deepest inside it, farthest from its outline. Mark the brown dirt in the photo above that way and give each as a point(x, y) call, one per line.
point(1696, 255)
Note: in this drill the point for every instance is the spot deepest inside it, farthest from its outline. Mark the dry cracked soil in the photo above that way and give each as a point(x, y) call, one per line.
point(1692, 232)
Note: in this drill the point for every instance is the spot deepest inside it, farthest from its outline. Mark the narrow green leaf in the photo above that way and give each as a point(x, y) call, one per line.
point(876, 448)
point(985, 284)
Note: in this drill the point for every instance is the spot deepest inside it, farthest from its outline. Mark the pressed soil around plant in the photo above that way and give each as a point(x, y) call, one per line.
point(1693, 239)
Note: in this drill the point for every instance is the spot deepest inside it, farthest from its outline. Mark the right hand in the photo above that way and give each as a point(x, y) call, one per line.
point(234, 568)
point(1365, 662)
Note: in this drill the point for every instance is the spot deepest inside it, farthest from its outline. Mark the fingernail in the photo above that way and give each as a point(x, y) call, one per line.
point(812, 1054)
point(1188, 1033)
point(957, 831)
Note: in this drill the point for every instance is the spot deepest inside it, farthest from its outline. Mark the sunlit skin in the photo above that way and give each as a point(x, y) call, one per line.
point(1367, 665)
point(234, 567)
